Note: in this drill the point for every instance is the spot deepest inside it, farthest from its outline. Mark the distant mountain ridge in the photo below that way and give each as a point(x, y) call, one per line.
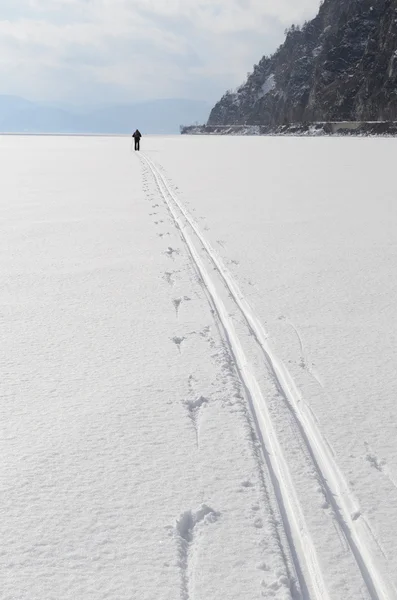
point(18, 115)
point(340, 66)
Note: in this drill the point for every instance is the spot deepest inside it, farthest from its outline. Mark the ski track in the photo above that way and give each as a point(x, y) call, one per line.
point(344, 506)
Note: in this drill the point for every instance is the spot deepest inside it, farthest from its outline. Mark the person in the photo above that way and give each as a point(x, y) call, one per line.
point(137, 137)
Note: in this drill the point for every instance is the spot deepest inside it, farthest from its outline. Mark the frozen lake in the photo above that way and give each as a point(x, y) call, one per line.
point(198, 392)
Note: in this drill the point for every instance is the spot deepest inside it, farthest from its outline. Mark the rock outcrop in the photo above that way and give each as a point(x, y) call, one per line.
point(341, 66)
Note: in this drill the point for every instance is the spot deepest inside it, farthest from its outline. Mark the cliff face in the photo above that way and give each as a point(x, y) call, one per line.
point(341, 66)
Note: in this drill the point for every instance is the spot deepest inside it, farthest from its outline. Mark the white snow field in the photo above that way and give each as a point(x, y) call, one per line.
point(198, 369)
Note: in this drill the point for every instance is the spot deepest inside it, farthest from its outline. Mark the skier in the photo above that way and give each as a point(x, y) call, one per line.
point(137, 137)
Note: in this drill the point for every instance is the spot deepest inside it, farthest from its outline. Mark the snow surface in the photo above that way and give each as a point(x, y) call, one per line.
point(198, 368)
point(268, 86)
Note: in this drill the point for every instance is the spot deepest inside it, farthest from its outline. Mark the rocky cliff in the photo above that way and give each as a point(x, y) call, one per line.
point(341, 66)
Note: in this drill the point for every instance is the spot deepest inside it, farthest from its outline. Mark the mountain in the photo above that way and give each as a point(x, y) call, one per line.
point(18, 115)
point(157, 116)
point(341, 66)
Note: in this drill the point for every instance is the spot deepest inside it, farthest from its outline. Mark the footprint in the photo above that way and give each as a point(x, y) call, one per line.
point(185, 534)
point(177, 302)
point(247, 484)
point(380, 464)
point(191, 382)
point(205, 332)
point(194, 408)
point(169, 279)
point(171, 251)
point(188, 521)
point(374, 461)
point(178, 341)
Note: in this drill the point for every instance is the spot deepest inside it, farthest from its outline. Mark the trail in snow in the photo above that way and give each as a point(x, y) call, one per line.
point(344, 506)
point(287, 500)
point(185, 532)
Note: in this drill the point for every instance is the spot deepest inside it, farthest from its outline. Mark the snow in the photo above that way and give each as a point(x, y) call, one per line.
point(268, 86)
point(198, 373)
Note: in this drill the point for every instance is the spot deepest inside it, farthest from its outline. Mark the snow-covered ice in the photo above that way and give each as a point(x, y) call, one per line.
point(198, 391)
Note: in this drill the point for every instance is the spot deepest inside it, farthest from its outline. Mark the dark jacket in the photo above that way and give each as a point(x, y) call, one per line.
point(137, 135)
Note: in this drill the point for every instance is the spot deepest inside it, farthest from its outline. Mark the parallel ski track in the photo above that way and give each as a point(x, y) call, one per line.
point(341, 501)
point(290, 511)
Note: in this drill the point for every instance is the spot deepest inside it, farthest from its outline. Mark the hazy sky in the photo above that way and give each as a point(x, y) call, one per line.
point(109, 50)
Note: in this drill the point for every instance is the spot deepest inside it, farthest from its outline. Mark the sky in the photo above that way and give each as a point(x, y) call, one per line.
point(87, 51)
